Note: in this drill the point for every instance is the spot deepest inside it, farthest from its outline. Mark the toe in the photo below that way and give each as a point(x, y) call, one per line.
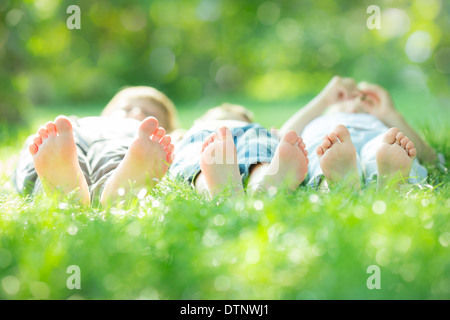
point(169, 148)
point(409, 145)
point(332, 137)
point(399, 137)
point(63, 125)
point(37, 140)
point(325, 144)
point(404, 142)
point(223, 133)
point(33, 148)
point(209, 139)
point(320, 151)
point(205, 145)
point(170, 157)
point(390, 135)
point(51, 129)
point(342, 133)
point(412, 152)
point(290, 137)
point(165, 141)
point(157, 136)
point(302, 146)
point(305, 152)
point(326, 138)
point(214, 137)
point(43, 133)
point(148, 127)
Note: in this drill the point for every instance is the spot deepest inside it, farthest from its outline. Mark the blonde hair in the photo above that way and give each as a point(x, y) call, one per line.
point(150, 95)
point(228, 111)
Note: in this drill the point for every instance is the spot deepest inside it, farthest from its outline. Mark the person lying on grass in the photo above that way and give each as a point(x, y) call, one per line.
point(226, 153)
point(356, 132)
point(95, 157)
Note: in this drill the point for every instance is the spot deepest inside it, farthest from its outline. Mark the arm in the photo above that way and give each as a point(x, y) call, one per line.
point(338, 89)
point(383, 108)
point(305, 115)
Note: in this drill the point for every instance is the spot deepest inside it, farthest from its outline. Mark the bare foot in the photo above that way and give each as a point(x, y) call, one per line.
point(56, 161)
point(218, 163)
point(288, 167)
point(145, 162)
point(395, 157)
point(337, 156)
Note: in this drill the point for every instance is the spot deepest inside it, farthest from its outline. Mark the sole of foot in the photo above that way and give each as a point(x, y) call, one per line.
point(145, 163)
point(55, 159)
point(218, 163)
point(289, 165)
point(337, 157)
point(395, 157)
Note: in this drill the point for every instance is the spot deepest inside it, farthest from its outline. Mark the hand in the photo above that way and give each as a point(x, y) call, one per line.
point(378, 101)
point(339, 89)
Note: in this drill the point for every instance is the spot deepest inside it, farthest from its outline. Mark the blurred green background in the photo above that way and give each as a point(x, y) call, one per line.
point(203, 52)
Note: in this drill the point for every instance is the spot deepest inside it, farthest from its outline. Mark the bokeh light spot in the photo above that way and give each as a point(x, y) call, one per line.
point(444, 239)
point(379, 207)
point(418, 46)
point(222, 283)
point(162, 60)
point(11, 285)
point(209, 10)
point(252, 256)
point(268, 13)
point(394, 23)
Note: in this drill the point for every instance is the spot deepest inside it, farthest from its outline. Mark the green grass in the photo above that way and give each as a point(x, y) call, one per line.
point(175, 244)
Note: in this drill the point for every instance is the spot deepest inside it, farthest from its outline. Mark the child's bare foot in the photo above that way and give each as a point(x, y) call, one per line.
point(395, 157)
point(289, 165)
point(56, 161)
point(145, 162)
point(337, 156)
point(218, 163)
